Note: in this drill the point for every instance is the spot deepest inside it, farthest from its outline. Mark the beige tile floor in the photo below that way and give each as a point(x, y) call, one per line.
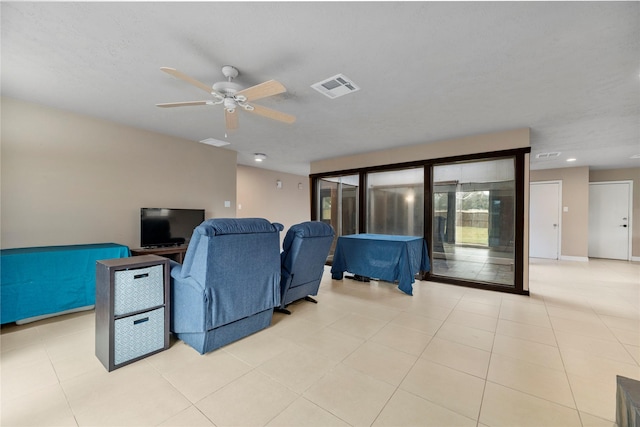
point(367, 354)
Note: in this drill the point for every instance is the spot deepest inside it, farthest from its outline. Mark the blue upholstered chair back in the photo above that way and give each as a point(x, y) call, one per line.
point(234, 264)
point(305, 250)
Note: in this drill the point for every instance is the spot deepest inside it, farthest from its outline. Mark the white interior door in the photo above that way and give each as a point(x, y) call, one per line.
point(544, 219)
point(609, 223)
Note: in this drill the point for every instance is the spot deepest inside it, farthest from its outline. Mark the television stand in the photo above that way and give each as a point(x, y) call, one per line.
point(175, 253)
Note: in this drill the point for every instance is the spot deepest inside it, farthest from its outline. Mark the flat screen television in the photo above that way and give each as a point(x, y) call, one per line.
point(168, 227)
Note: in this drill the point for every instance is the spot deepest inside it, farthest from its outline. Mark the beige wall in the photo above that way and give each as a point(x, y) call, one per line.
point(575, 197)
point(630, 174)
point(72, 179)
point(258, 196)
point(506, 140)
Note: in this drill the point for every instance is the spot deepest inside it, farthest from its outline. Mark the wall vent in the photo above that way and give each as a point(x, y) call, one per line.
point(336, 86)
point(547, 155)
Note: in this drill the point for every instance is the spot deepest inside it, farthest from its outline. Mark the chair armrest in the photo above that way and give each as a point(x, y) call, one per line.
point(187, 309)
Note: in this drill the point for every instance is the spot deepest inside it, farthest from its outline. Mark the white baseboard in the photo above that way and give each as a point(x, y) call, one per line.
point(635, 258)
point(46, 316)
point(574, 258)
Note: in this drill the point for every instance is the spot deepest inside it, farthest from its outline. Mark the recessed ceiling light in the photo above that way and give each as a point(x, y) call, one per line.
point(571, 159)
point(258, 157)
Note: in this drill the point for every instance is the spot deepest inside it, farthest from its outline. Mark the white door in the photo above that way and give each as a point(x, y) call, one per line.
point(544, 219)
point(609, 219)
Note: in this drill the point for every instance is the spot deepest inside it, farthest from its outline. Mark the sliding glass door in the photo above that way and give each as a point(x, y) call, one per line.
point(470, 210)
point(473, 236)
point(395, 202)
point(338, 205)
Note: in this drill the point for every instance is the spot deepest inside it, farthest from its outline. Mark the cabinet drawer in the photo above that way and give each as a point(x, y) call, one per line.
point(138, 289)
point(138, 335)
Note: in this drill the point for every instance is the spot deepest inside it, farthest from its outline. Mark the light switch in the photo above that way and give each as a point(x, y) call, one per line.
point(565, 209)
point(227, 203)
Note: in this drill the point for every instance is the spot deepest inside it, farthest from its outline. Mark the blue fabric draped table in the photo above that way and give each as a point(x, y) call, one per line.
point(381, 256)
point(46, 280)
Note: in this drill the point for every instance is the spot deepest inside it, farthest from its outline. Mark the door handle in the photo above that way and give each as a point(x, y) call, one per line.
point(555, 225)
point(623, 225)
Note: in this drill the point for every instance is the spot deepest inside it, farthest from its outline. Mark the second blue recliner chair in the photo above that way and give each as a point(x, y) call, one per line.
point(305, 250)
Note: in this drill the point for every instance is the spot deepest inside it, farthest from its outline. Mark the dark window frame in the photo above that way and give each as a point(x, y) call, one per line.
point(518, 154)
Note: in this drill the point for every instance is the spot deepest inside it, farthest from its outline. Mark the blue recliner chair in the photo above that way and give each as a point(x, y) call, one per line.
point(305, 250)
point(229, 282)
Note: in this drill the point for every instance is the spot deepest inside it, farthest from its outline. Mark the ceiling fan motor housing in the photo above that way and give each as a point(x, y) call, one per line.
point(227, 88)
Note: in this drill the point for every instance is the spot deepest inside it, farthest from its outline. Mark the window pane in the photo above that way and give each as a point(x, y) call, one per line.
point(396, 202)
point(473, 221)
point(338, 205)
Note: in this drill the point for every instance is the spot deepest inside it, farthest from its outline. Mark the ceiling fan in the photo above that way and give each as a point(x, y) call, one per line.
point(231, 96)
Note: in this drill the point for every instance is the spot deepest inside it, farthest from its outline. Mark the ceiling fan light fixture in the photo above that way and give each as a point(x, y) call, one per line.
point(259, 157)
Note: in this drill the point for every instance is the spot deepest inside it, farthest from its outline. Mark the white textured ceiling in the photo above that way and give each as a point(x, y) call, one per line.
point(428, 71)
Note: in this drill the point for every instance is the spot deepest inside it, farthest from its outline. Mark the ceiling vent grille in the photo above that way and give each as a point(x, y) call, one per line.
point(214, 142)
point(336, 86)
point(548, 155)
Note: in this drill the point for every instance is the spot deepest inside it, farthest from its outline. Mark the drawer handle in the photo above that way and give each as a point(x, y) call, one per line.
point(141, 276)
point(137, 322)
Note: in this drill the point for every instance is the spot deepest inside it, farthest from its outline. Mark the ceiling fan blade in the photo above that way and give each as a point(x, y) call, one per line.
point(262, 90)
point(231, 119)
point(272, 114)
point(190, 80)
point(182, 104)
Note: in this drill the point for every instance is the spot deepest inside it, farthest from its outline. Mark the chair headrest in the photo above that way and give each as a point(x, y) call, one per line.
point(220, 226)
point(312, 229)
point(307, 229)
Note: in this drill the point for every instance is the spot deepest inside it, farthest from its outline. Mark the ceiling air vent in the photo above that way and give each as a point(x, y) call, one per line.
point(336, 86)
point(214, 142)
point(547, 155)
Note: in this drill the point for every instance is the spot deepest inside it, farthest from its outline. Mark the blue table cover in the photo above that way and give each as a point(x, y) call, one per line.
point(381, 256)
point(46, 280)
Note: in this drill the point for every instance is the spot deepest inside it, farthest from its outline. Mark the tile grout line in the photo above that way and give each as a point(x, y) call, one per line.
point(486, 378)
point(564, 366)
point(66, 397)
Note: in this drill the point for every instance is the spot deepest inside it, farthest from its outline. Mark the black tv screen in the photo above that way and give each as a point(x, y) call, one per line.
point(168, 227)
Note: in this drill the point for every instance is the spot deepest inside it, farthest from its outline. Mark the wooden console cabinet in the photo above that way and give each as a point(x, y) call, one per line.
point(175, 253)
point(132, 309)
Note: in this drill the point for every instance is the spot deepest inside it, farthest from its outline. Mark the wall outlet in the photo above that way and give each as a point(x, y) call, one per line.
point(227, 203)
